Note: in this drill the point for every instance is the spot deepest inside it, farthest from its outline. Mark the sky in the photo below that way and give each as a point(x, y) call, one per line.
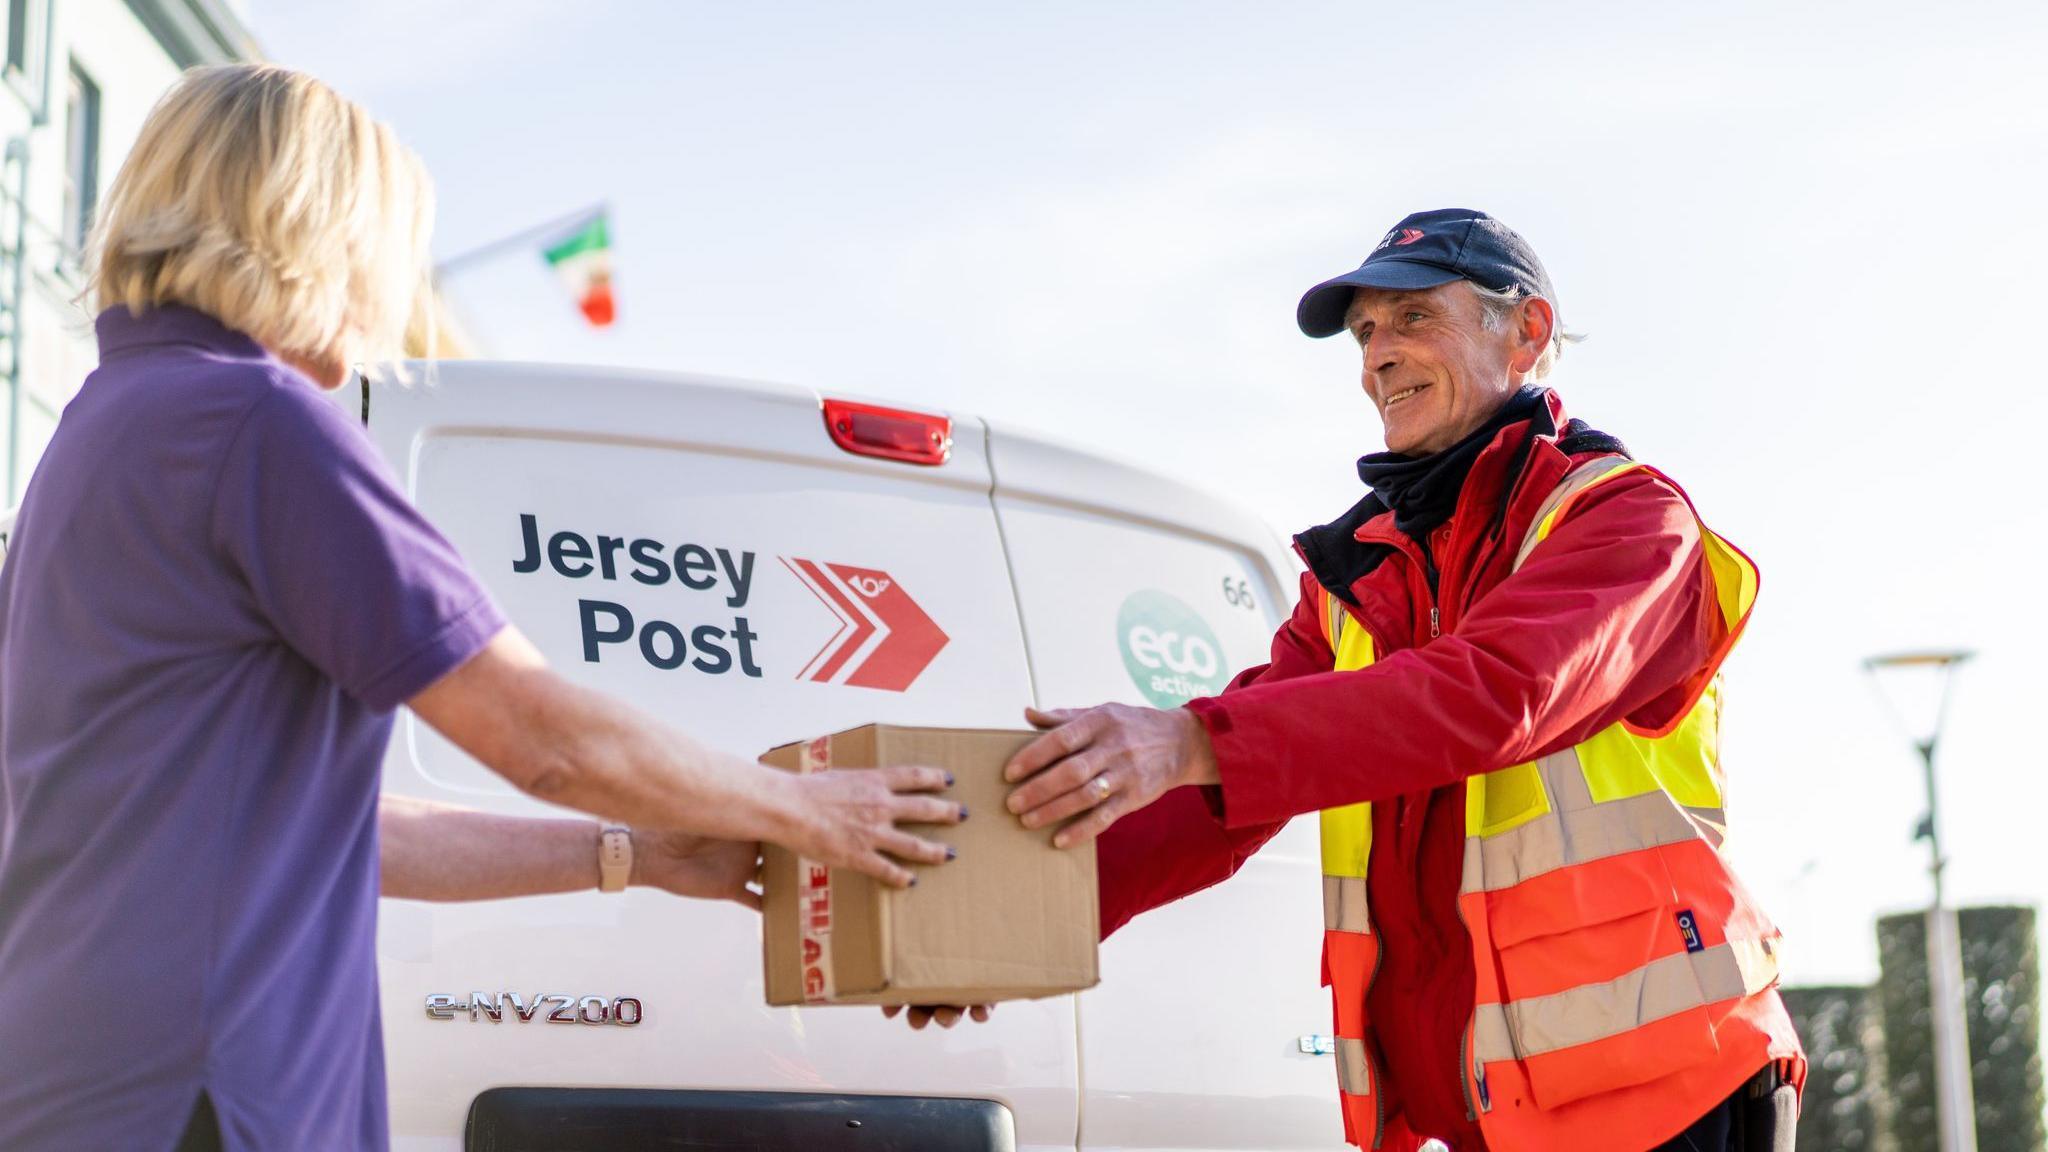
point(1804, 244)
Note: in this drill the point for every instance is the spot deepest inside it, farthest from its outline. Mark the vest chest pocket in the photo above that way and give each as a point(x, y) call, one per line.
point(1497, 802)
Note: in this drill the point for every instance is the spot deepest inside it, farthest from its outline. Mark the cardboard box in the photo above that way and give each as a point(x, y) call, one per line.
point(1013, 918)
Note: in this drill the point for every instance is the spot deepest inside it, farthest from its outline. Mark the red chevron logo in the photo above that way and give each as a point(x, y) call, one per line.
point(884, 640)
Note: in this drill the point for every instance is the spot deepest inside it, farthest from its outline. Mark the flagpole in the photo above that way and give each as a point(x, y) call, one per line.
point(518, 239)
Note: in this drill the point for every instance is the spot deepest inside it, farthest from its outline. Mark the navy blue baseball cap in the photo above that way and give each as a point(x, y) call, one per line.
point(1425, 250)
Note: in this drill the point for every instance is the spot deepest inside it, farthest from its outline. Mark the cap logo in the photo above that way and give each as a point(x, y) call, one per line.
point(1399, 238)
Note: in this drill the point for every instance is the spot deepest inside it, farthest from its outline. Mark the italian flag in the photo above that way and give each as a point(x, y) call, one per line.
point(583, 259)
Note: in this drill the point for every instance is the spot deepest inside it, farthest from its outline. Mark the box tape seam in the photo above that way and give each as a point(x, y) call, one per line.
point(814, 900)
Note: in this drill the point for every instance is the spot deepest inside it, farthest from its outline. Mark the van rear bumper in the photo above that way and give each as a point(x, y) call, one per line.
point(562, 1119)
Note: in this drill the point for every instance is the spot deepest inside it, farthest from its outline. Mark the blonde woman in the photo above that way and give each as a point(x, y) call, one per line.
point(215, 600)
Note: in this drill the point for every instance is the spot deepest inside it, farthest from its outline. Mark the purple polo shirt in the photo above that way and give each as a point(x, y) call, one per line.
point(215, 598)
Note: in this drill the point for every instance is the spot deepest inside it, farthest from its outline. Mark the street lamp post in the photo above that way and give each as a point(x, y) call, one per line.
point(1956, 1106)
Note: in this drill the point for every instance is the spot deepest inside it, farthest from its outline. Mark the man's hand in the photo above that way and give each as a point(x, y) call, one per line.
point(696, 866)
point(946, 1014)
point(1098, 764)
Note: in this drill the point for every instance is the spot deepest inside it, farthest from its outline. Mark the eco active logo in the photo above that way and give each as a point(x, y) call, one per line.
point(878, 623)
point(1170, 652)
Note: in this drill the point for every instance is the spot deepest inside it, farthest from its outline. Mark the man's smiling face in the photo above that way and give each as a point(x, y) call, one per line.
point(1433, 368)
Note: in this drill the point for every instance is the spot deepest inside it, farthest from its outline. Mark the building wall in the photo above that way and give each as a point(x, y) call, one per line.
point(131, 69)
point(131, 66)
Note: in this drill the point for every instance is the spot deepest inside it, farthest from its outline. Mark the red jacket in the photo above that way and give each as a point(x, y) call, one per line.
point(1611, 620)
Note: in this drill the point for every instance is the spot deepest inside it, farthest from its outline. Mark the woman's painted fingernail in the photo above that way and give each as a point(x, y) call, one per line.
point(963, 812)
point(949, 779)
point(952, 853)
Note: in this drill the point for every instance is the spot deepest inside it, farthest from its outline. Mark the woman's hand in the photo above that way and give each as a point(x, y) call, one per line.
point(1095, 765)
point(848, 818)
point(696, 866)
point(946, 1014)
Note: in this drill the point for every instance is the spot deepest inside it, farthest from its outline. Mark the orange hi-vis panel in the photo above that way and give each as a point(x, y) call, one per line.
point(1623, 975)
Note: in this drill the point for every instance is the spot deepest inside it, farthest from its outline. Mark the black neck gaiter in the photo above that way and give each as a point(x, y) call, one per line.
point(1422, 491)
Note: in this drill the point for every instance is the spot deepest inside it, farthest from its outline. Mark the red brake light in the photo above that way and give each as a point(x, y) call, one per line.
point(890, 433)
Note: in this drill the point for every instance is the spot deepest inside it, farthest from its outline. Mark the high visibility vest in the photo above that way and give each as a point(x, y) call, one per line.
point(1622, 973)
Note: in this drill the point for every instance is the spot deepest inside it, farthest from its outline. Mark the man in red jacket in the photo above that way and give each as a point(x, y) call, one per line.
point(1500, 688)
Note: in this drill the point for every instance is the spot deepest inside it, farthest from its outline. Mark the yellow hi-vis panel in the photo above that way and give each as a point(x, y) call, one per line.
point(1347, 839)
point(1351, 644)
point(1735, 578)
point(1685, 762)
point(1347, 831)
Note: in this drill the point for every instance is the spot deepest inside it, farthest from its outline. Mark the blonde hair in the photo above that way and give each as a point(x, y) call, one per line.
point(262, 197)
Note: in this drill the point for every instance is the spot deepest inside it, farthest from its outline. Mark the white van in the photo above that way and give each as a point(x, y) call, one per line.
point(758, 564)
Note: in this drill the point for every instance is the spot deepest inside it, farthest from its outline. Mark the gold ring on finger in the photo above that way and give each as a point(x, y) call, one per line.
point(1100, 786)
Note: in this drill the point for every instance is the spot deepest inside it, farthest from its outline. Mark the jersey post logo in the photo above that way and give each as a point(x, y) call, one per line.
point(1169, 651)
point(884, 640)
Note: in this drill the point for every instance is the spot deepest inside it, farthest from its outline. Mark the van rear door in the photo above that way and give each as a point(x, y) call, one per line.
point(1135, 589)
point(704, 551)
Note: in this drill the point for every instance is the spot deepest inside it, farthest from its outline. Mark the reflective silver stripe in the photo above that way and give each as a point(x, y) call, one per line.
point(1712, 824)
point(1577, 829)
point(1756, 967)
point(1665, 987)
point(1559, 839)
point(1344, 904)
point(1354, 1072)
point(1575, 481)
point(1491, 1039)
point(1564, 781)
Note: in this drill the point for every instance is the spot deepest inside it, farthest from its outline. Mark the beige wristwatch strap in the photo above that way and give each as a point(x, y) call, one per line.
point(614, 859)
